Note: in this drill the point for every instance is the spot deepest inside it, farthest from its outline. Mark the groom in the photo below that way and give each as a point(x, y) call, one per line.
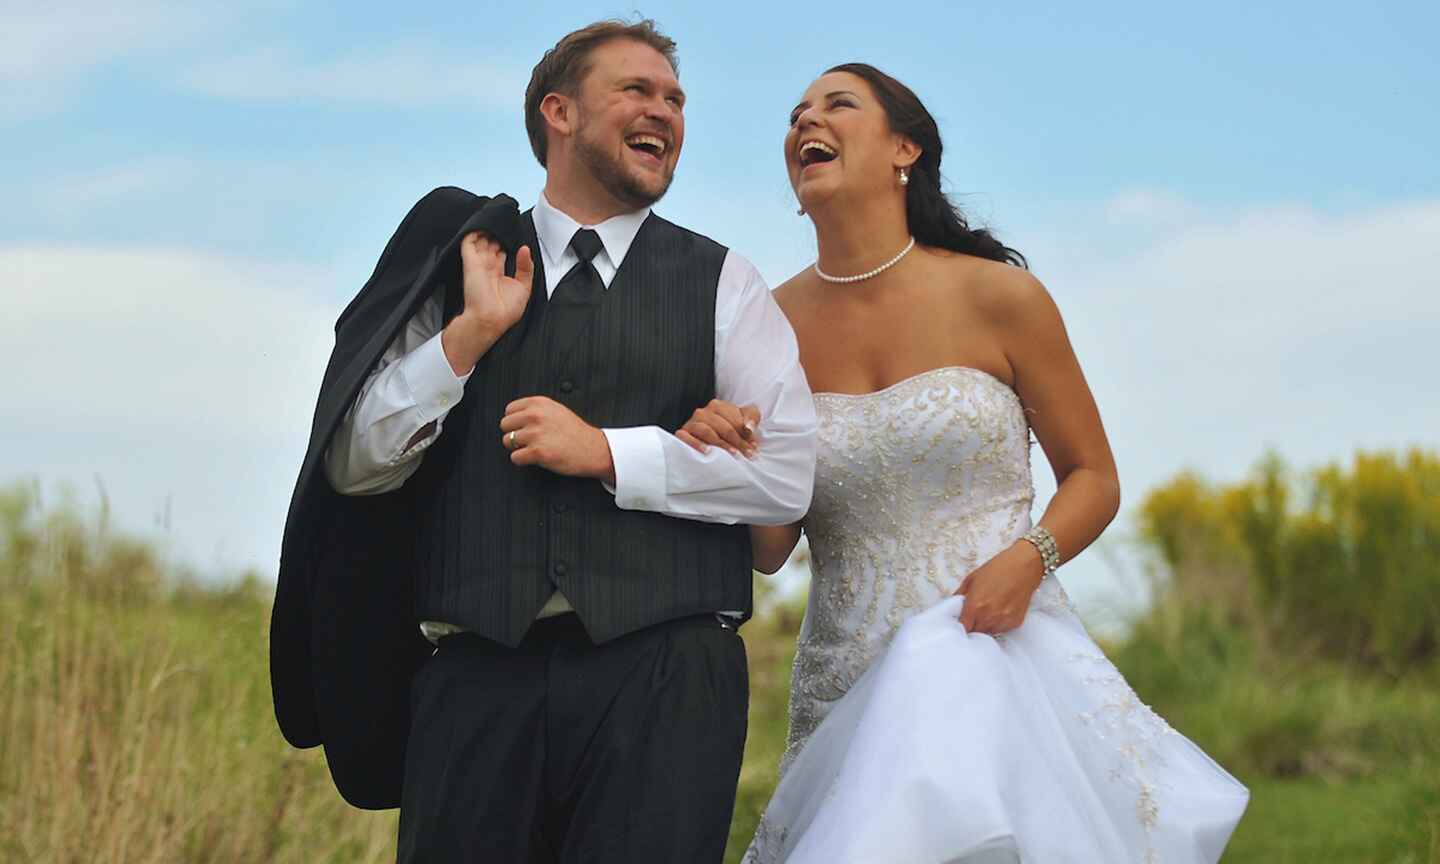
point(496, 429)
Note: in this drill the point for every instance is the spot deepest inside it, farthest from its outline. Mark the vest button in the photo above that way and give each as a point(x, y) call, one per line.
point(560, 569)
point(567, 386)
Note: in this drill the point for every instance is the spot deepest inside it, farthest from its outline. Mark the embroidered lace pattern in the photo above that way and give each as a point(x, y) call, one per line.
point(916, 485)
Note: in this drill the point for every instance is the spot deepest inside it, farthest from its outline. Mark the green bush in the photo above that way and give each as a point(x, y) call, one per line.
point(1292, 635)
point(1342, 564)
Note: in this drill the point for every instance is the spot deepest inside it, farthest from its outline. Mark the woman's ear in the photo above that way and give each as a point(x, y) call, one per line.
point(907, 152)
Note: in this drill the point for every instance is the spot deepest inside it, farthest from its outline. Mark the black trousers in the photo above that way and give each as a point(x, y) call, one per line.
point(563, 751)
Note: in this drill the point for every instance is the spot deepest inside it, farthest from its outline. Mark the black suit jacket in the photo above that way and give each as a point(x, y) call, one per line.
point(344, 643)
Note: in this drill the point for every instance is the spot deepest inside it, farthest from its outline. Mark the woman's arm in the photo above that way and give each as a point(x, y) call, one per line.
point(771, 545)
point(1062, 413)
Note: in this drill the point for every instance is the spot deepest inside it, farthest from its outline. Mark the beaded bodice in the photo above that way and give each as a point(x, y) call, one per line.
point(907, 478)
point(916, 485)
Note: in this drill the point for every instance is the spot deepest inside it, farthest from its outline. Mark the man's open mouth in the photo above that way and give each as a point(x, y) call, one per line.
point(651, 145)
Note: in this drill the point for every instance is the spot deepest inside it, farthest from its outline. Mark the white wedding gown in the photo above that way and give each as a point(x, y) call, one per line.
point(914, 743)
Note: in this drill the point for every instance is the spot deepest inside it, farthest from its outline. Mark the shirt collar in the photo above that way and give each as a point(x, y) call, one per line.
point(555, 228)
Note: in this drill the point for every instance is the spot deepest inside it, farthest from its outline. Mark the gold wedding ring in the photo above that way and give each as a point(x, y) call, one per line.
point(510, 441)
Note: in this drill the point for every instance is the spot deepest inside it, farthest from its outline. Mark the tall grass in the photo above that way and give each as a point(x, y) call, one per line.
point(135, 718)
point(136, 724)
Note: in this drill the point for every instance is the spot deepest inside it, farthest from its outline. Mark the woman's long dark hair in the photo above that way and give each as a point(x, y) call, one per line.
point(933, 219)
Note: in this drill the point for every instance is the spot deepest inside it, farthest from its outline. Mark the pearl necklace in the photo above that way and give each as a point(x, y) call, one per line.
point(869, 273)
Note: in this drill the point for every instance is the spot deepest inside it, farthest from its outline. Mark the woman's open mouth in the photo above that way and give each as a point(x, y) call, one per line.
point(815, 152)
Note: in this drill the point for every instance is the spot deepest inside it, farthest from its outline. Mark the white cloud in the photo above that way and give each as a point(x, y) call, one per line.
point(1278, 327)
point(45, 48)
point(1147, 207)
point(1223, 336)
point(42, 40)
point(167, 374)
point(401, 76)
point(69, 196)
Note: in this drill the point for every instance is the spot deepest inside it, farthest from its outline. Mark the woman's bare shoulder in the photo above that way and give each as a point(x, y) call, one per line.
point(1003, 292)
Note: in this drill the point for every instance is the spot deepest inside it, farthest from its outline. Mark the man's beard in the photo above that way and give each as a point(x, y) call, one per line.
point(612, 176)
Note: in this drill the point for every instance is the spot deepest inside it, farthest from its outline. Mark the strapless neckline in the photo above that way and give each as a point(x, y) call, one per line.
point(917, 378)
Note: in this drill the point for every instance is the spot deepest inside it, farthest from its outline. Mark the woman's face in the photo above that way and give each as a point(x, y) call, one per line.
point(839, 142)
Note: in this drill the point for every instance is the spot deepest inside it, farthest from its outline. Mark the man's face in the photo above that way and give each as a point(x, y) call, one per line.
point(630, 121)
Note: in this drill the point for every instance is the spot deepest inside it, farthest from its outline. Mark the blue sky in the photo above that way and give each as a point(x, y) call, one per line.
point(1237, 209)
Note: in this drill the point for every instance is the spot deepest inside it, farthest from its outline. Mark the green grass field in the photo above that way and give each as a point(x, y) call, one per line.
point(143, 732)
point(136, 726)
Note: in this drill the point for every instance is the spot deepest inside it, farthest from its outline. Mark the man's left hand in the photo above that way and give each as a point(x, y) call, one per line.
point(542, 432)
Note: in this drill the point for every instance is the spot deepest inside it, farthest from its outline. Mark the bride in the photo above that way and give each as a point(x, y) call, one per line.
point(947, 705)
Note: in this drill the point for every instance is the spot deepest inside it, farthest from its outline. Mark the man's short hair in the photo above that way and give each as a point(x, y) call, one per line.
point(563, 67)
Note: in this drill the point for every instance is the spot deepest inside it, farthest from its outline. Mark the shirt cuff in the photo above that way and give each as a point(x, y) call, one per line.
point(432, 383)
point(639, 458)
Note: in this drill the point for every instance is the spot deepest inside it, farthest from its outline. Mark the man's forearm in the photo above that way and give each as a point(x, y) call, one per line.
point(466, 340)
point(399, 412)
point(656, 471)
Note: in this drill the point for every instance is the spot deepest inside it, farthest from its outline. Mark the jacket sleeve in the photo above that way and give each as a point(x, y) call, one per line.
point(342, 651)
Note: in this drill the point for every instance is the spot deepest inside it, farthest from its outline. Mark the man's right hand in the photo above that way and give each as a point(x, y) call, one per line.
point(493, 301)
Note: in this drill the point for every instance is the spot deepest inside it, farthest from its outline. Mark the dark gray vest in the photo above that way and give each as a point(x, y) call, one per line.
point(494, 540)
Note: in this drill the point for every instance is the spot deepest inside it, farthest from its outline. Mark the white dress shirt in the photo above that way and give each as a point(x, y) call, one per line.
point(757, 362)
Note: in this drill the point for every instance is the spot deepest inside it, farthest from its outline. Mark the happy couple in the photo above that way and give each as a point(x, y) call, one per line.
point(517, 557)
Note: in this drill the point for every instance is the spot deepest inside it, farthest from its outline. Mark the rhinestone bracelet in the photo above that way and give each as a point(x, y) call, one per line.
point(1044, 543)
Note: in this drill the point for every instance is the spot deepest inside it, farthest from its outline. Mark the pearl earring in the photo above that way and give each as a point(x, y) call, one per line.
point(904, 177)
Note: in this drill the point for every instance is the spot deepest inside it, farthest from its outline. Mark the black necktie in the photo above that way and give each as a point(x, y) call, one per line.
point(582, 285)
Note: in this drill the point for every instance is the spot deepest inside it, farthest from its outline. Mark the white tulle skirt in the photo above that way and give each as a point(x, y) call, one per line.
point(1029, 747)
